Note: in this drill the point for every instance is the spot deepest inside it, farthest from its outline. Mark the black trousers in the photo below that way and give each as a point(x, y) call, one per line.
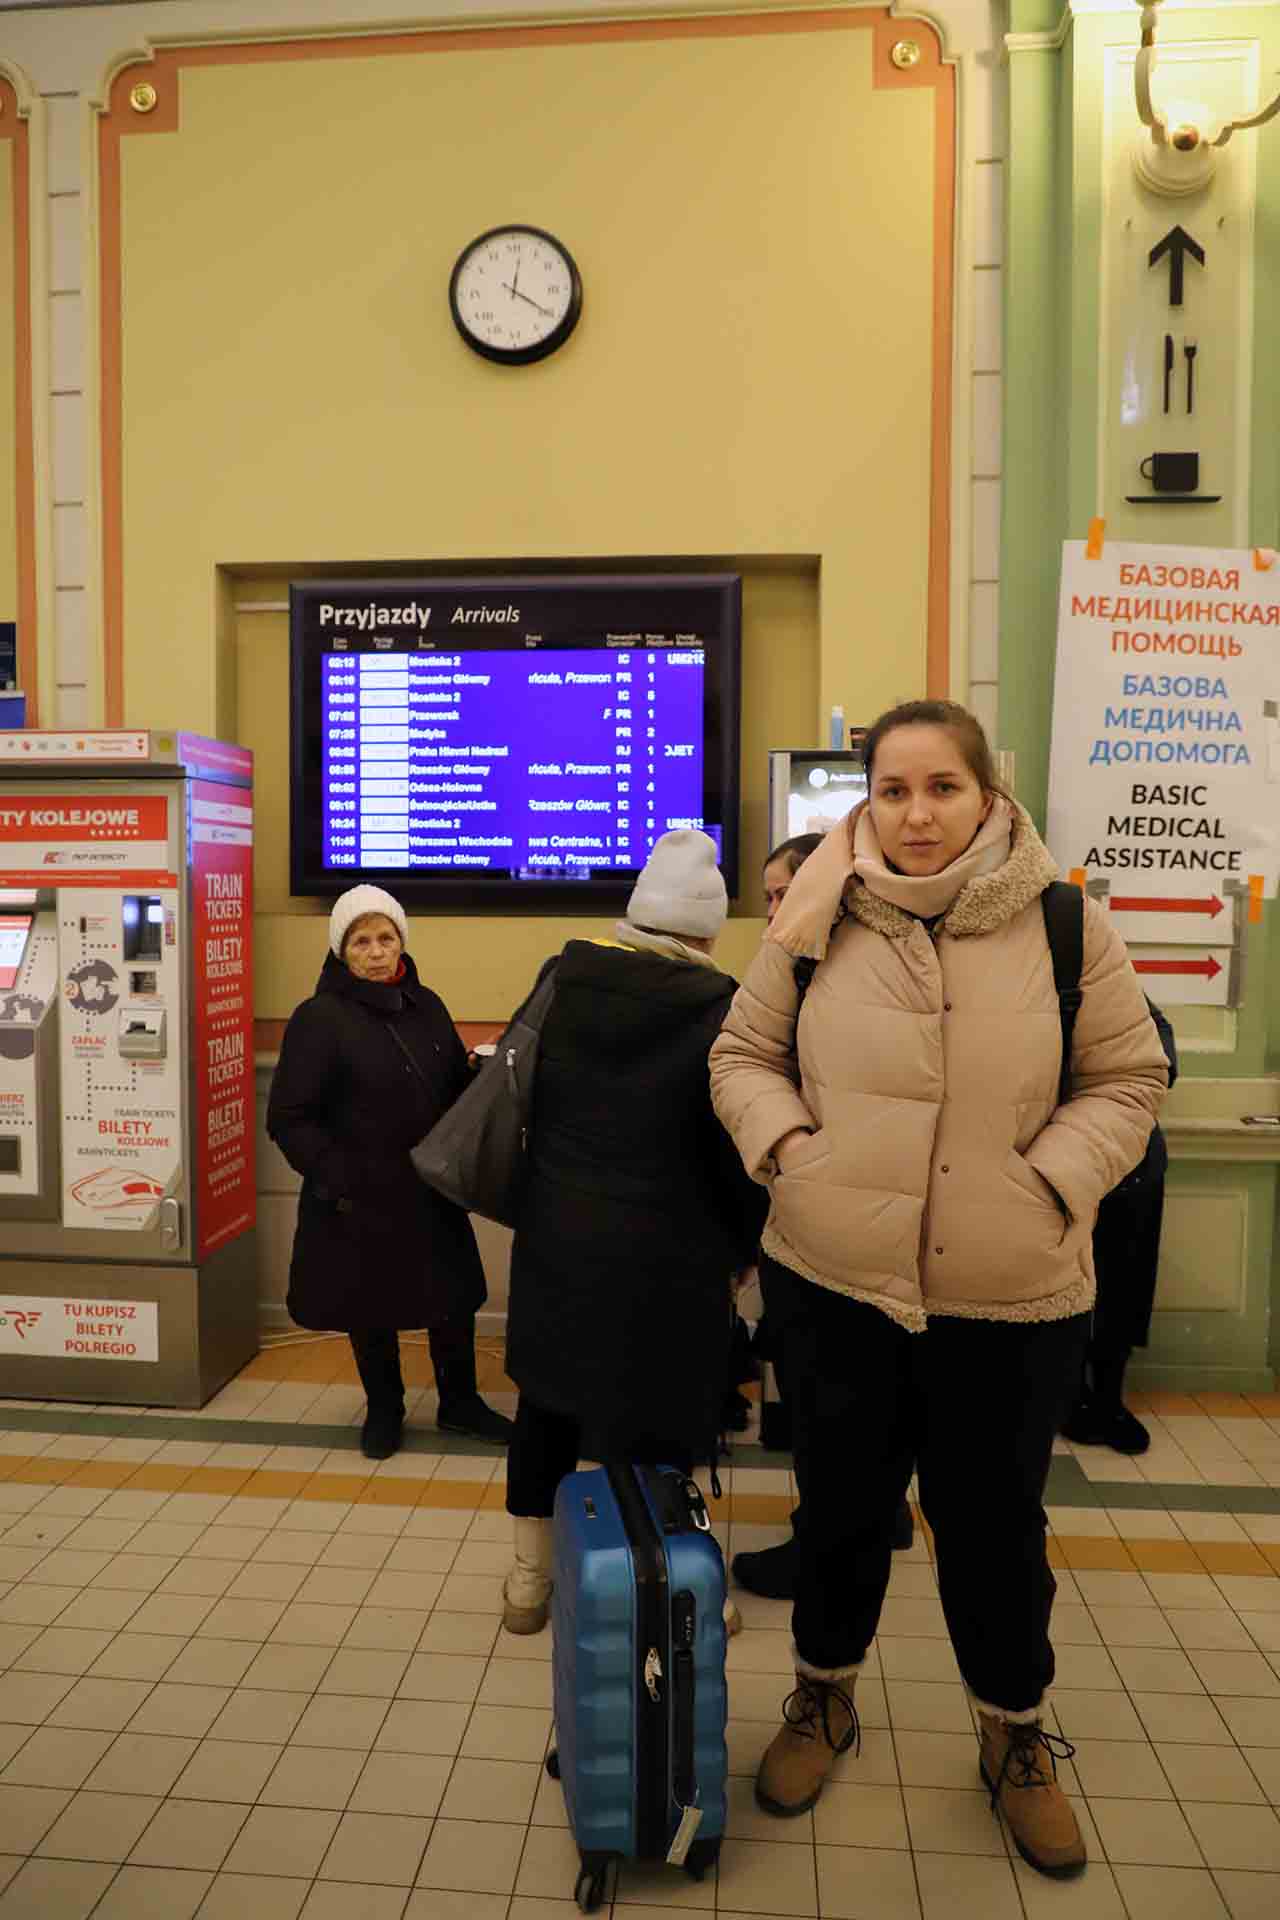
point(1126, 1256)
point(453, 1358)
point(546, 1446)
point(973, 1406)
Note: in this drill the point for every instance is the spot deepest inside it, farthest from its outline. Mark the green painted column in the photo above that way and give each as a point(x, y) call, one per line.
point(1037, 303)
point(1054, 212)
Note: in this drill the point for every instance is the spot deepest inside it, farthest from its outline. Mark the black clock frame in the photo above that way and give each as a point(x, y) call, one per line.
point(519, 356)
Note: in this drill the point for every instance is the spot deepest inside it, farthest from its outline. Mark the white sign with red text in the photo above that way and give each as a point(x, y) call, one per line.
point(83, 1329)
point(85, 840)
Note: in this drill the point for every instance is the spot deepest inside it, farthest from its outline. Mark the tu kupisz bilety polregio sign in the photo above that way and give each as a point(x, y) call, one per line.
point(1164, 778)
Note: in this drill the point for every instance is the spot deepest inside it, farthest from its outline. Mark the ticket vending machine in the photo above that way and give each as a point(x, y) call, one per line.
point(127, 1192)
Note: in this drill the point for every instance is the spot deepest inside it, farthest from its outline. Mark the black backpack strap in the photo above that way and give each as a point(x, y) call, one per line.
point(803, 971)
point(1063, 907)
point(804, 968)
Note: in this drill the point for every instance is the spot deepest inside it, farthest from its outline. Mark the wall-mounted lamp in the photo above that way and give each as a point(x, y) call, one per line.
point(1179, 154)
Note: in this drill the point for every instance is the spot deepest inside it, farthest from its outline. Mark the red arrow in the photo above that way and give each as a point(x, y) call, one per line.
point(1209, 967)
point(1135, 904)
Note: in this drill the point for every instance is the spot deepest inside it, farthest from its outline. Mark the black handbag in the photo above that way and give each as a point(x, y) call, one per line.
point(477, 1153)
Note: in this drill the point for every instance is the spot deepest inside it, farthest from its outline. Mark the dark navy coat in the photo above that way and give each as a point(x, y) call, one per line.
point(365, 1070)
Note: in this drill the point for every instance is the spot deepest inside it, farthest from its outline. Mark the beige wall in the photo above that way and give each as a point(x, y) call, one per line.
point(743, 383)
point(9, 374)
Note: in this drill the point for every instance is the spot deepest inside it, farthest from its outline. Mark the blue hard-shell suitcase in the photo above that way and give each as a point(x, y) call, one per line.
point(637, 1616)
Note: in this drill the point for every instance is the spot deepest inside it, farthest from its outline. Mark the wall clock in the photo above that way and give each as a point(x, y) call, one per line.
point(515, 294)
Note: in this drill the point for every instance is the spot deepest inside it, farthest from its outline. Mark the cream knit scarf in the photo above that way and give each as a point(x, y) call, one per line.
point(852, 851)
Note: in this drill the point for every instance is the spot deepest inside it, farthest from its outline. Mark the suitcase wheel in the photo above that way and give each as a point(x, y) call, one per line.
point(701, 1855)
point(590, 1890)
point(553, 1764)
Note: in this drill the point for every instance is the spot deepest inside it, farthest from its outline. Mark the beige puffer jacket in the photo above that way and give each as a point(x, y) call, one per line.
point(943, 1176)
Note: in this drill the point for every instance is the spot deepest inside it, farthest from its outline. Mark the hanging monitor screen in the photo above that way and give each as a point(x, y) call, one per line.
point(511, 739)
point(822, 789)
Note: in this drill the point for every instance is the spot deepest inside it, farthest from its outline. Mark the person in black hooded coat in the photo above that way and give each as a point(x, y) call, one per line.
point(1126, 1259)
point(636, 1214)
point(367, 1066)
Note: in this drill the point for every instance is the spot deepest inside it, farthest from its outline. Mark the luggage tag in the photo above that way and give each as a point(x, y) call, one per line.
point(690, 1821)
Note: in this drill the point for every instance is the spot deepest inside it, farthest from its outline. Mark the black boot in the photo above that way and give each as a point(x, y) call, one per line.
point(771, 1572)
point(377, 1352)
point(735, 1412)
point(776, 1430)
point(461, 1410)
point(1100, 1417)
point(1095, 1423)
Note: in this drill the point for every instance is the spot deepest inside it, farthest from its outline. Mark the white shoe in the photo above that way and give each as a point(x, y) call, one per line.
point(526, 1592)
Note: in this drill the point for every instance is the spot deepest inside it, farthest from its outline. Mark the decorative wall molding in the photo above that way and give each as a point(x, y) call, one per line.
point(22, 123)
point(1204, 1254)
point(123, 111)
point(150, 46)
point(448, 21)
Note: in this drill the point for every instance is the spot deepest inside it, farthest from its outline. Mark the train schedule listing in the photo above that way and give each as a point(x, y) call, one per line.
point(563, 760)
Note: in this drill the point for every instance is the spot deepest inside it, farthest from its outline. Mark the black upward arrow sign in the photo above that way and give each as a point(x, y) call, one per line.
point(1177, 243)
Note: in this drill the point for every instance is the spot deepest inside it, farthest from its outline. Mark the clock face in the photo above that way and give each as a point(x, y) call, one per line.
point(515, 294)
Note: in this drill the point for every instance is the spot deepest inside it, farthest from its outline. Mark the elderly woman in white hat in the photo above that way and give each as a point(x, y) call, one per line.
point(636, 1214)
point(367, 1065)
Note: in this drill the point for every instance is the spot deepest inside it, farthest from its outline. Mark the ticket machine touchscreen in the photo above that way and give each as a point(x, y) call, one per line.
point(15, 929)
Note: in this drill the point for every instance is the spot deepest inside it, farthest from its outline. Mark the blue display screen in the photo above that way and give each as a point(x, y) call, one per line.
point(553, 762)
point(510, 738)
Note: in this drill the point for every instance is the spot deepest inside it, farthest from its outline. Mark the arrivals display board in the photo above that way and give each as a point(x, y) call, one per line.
point(511, 738)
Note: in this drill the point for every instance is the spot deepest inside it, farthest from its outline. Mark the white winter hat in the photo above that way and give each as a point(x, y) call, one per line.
point(354, 904)
point(681, 889)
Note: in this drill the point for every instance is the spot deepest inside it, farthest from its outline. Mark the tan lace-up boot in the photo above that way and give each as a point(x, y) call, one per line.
point(526, 1592)
point(1019, 1763)
point(818, 1725)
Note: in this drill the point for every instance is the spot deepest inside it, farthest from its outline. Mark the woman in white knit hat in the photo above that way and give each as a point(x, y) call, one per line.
point(367, 1065)
point(637, 1210)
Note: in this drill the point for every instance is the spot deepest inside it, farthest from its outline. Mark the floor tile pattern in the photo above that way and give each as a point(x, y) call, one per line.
point(246, 1675)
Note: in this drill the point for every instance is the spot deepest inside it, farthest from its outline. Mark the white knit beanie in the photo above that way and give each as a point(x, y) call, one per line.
point(354, 904)
point(681, 889)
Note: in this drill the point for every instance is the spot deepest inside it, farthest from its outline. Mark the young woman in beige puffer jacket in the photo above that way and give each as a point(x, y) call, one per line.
point(927, 1263)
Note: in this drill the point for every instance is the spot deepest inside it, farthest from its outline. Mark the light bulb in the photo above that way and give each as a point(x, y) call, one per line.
point(1188, 124)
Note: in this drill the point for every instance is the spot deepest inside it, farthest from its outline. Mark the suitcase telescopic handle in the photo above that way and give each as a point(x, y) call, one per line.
point(684, 1629)
point(697, 1506)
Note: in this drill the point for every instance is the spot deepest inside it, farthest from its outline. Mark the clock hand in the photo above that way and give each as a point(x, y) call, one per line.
point(515, 280)
point(524, 296)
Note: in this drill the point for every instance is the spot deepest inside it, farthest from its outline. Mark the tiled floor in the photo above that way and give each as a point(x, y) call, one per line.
point(244, 1675)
